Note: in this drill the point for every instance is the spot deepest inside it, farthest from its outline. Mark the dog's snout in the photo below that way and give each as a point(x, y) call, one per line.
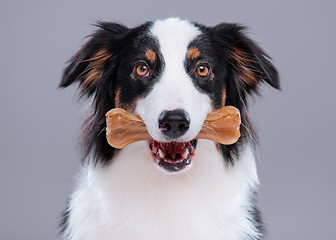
point(174, 123)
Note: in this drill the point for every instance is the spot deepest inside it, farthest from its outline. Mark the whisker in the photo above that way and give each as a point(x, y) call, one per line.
point(248, 131)
point(104, 129)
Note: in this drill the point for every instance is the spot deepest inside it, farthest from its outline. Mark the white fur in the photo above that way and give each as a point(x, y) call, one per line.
point(175, 88)
point(130, 199)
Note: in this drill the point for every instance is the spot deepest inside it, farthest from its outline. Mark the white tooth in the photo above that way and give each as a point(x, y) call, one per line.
point(162, 155)
point(185, 154)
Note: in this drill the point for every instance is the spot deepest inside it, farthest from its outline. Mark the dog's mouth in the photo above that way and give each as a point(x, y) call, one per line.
point(173, 156)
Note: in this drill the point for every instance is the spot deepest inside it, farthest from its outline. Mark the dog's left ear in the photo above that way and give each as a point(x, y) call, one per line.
point(246, 58)
point(93, 69)
point(87, 66)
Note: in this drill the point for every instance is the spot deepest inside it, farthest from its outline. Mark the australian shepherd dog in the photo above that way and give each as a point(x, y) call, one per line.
point(171, 73)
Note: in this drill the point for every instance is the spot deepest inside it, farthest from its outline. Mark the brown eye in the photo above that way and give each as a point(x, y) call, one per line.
point(142, 70)
point(202, 70)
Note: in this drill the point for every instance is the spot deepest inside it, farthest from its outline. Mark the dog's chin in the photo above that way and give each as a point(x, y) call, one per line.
point(173, 157)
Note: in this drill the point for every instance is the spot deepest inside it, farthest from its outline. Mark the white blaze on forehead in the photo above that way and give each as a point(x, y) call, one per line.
point(175, 88)
point(174, 36)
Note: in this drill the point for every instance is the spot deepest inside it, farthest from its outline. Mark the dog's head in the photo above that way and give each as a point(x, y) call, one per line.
point(172, 73)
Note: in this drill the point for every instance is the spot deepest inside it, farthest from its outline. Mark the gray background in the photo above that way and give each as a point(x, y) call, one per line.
point(40, 124)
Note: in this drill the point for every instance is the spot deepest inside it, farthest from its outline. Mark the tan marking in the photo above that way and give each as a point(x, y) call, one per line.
point(131, 106)
point(241, 56)
point(223, 98)
point(95, 68)
point(193, 53)
point(244, 66)
point(118, 104)
point(248, 76)
point(117, 99)
point(91, 77)
point(101, 56)
point(150, 55)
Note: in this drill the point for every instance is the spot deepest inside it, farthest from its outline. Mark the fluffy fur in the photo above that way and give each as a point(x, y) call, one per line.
point(125, 194)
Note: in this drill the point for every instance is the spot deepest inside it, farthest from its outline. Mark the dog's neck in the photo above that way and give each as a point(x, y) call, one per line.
point(132, 199)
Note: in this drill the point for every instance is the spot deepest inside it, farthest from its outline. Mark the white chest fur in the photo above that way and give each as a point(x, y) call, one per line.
point(132, 199)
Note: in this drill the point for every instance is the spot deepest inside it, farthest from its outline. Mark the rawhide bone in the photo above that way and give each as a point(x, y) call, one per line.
point(124, 128)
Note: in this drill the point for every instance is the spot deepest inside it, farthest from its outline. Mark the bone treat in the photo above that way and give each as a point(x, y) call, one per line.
point(222, 126)
point(124, 128)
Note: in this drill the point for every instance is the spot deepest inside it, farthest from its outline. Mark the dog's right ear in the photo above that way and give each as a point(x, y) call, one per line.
point(89, 64)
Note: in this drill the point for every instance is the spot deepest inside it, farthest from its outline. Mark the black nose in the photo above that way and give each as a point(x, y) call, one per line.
point(174, 123)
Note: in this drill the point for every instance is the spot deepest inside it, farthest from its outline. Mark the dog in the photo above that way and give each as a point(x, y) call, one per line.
point(171, 73)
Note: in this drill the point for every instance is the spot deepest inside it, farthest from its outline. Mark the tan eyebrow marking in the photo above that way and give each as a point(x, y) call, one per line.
point(193, 53)
point(150, 55)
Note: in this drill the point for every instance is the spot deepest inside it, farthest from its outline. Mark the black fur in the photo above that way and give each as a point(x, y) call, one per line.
point(123, 44)
point(238, 67)
point(217, 44)
point(126, 46)
point(64, 222)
